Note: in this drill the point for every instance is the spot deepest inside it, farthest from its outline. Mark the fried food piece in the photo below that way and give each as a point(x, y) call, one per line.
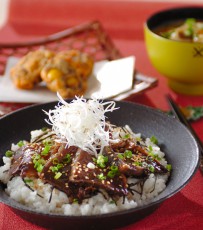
point(61, 77)
point(26, 73)
point(81, 62)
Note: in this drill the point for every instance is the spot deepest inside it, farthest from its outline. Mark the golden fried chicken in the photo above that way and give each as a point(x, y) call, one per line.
point(26, 73)
point(61, 77)
point(81, 62)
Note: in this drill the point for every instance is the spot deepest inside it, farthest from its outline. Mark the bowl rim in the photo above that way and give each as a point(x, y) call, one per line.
point(20, 207)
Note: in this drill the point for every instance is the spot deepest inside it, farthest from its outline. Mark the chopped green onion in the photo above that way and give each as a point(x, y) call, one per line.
point(47, 142)
point(126, 136)
point(46, 149)
point(188, 32)
point(67, 158)
point(55, 161)
point(44, 129)
point(151, 168)
point(101, 160)
point(153, 155)
point(38, 162)
point(75, 201)
point(9, 153)
point(58, 175)
point(120, 155)
point(128, 153)
point(39, 167)
point(154, 140)
point(137, 163)
point(190, 24)
point(35, 157)
point(112, 202)
point(56, 168)
point(20, 143)
point(94, 159)
point(156, 156)
point(114, 168)
point(150, 148)
point(138, 139)
point(27, 180)
point(59, 166)
point(167, 34)
point(190, 21)
point(169, 167)
point(101, 176)
point(111, 174)
point(113, 171)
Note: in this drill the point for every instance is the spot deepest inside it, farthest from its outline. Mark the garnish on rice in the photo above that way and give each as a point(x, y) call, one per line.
point(82, 123)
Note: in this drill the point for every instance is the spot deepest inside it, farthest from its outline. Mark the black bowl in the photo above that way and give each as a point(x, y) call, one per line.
point(175, 140)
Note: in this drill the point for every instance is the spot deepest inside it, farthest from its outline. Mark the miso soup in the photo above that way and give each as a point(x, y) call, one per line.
point(190, 30)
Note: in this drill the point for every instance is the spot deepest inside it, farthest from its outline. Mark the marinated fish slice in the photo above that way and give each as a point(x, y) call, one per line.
point(124, 166)
point(29, 159)
point(57, 172)
point(22, 162)
point(57, 169)
point(134, 160)
point(86, 172)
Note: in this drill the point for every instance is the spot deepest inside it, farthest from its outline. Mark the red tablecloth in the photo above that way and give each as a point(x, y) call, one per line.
point(124, 22)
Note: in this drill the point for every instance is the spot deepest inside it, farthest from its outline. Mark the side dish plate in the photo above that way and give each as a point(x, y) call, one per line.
point(90, 38)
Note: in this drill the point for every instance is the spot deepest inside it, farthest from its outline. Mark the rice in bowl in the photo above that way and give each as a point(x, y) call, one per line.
point(39, 195)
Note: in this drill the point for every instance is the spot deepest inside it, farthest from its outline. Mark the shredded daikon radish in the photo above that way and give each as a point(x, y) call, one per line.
point(82, 123)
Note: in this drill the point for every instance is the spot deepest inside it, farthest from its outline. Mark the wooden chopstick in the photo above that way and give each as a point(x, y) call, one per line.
point(178, 113)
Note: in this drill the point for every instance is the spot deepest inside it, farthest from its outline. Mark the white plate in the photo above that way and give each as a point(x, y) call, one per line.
point(109, 78)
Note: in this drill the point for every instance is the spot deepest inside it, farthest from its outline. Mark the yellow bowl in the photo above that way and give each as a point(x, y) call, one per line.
point(180, 62)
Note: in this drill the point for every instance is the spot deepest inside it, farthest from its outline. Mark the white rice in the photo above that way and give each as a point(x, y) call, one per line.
point(59, 204)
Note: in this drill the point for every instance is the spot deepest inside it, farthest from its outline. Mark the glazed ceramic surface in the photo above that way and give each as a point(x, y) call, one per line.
point(179, 61)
